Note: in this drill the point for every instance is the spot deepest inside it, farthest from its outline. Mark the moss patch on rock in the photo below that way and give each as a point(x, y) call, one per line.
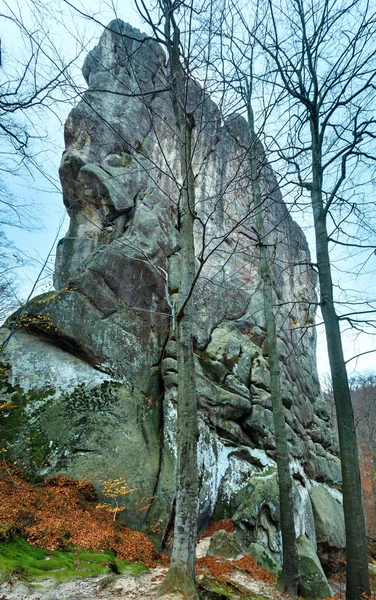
point(312, 580)
point(28, 447)
point(211, 589)
point(224, 544)
point(264, 559)
point(18, 557)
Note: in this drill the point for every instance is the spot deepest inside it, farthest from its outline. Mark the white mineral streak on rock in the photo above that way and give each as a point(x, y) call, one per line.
point(337, 494)
point(304, 522)
point(212, 465)
point(37, 364)
point(170, 421)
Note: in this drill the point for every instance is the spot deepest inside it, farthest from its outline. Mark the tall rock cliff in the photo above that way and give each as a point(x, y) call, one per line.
point(91, 367)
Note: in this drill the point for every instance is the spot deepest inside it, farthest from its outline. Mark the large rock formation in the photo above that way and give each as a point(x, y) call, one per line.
point(92, 367)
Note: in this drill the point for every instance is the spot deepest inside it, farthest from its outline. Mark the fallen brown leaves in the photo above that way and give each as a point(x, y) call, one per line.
point(248, 565)
point(218, 567)
point(221, 569)
point(61, 512)
point(225, 524)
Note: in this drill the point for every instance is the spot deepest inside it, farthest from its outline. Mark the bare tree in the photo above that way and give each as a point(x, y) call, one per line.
point(363, 393)
point(330, 92)
point(181, 575)
point(31, 84)
point(242, 82)
point(167, 29)
point(289, 578)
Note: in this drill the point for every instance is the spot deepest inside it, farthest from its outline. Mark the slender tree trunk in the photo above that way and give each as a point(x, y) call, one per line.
point(289, 578)
point(372, 467)
point(357, 581)
point(181, 575)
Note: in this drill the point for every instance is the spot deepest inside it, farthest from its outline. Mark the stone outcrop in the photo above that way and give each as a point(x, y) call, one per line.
point(92, 366)
point(225, 545)
point(312, 581)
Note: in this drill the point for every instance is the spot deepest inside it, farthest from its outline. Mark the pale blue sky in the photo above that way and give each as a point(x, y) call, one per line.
point(70, 34)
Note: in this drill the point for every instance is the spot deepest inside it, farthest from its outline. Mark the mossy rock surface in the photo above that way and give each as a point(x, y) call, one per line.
point(328, 516)
point(214, 590)
point(99, 431)
point(264, 559)
point(30, 563)
point(260, 502)
point(312, 580)
point(224, 544)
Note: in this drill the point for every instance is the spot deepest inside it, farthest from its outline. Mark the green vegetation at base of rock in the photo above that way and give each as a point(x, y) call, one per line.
point(29, 563)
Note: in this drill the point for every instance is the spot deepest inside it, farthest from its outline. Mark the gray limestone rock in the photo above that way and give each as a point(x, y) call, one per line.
point(257, 518)
point(312, 580)
point(328, 515)
point(225, 545)
point(263, 558)
point(116, 275)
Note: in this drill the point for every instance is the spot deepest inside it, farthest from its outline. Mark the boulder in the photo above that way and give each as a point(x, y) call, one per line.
point(312, 580)
point(263, 558)
point(225, 545)
point(328, 516)
point(257, 520)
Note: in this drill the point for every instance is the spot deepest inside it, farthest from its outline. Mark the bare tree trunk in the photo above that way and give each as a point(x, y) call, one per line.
point(372, 467)
point(181, 575)
point(288, 580)
point(356, 551)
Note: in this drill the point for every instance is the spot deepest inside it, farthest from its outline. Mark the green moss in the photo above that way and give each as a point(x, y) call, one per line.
point(96, 399)
point(229, 361)
point(123, 159)
point(144, 144)
point(212, 369)
point(203, 356)
point(25, 438)
point(12, 418)
point(30, 563)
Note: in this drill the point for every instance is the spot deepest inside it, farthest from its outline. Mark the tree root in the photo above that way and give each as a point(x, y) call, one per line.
point(179, 581)
point(287, 587)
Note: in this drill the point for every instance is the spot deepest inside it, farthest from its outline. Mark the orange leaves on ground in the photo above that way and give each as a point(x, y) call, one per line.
point(222, 569)
point(62, 511)
point(225, 524)
point(218, 567)
point(16, 497)
point(136, 547)
point(248, 565)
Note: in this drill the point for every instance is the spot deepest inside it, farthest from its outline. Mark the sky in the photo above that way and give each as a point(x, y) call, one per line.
point(67, 35)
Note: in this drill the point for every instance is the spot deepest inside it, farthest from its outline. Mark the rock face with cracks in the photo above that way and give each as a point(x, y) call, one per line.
point(91, 367)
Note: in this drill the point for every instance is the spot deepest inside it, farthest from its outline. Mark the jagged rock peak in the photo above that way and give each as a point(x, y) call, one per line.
point(103, 340)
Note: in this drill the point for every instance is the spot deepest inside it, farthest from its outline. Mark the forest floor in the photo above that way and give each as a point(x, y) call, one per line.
point(53, 541)
point(143, 587)
point(217, 578)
